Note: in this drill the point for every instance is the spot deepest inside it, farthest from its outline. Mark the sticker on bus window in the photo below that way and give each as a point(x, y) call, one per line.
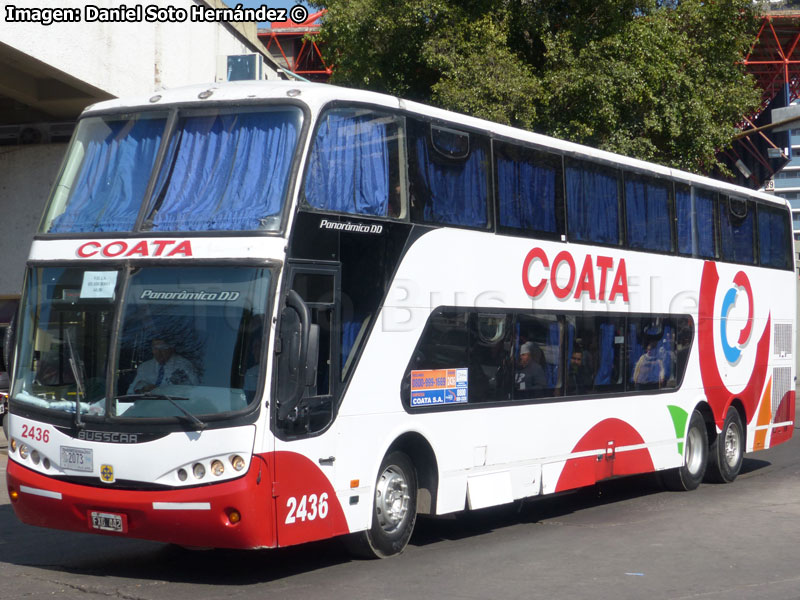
point(439, 386)
point(98, 284)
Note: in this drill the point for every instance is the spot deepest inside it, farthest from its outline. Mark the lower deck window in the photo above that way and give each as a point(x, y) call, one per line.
point(466, 356)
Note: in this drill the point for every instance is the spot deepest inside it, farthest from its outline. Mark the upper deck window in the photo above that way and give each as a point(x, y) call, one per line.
point(354, 166)
point(449, 176)
point(105, 174)
point(647, 203)
point(593, 198)
point(226, 170)
point(223, 169)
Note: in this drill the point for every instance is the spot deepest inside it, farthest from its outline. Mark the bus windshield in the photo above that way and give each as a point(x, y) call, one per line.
point(189, 339)
point(217, 170)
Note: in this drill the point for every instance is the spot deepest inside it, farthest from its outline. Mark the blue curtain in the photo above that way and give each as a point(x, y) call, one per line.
point(606, 348)
point(704, 225)
point(349, 165)
point(648, 215)
point(108, 189)
point(457, 193)
point(227, 172)
point(736, 236)
point(554, 342)
point(666, 348)
point(635, 349)
point(527, 194)
point(695, 225)
point(683, 218)
point(350, 331)
point(773, 237)
point(592, 205)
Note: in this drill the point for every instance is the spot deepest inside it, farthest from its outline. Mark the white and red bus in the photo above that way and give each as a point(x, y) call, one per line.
point(259, 314)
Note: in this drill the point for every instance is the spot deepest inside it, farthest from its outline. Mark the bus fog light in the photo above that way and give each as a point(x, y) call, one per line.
point(237, 462)
point(199, 471)
point(23, 451)
point(35, 457)
point(182, 474)
point(13, 494)
point(234, 516)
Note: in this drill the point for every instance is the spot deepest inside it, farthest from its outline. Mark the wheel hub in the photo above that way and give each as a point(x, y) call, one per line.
point(391, 499)
point(732, 448)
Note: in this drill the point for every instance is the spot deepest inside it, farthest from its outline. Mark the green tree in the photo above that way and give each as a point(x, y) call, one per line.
point(660, 80)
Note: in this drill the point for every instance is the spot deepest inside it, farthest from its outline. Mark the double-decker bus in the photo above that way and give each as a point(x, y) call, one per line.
point(259, 314)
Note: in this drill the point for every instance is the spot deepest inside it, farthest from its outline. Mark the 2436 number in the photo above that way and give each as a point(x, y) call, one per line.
point(308, 508)
point(36, 433)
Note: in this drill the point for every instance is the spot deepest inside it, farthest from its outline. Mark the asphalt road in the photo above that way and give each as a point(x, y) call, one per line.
point(618, 540)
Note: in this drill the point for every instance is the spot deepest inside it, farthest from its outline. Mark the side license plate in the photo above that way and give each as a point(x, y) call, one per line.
point(108, 521)
point(76, 459)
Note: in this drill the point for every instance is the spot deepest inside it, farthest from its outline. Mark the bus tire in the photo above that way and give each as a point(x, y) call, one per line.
point(695, 458)
point(726, 452)
point(394, 510)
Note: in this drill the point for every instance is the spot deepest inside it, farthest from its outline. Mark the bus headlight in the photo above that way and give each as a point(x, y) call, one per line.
point(237, 462)
point(217, 468)
point(199, 471)
point(13, 445)
point(23, 451)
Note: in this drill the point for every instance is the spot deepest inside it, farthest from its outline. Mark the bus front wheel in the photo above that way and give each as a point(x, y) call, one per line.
point(726, 452)
point(394, 510)
point(695, 458)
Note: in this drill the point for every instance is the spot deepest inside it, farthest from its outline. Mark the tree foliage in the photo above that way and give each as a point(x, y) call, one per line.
point(660, 80)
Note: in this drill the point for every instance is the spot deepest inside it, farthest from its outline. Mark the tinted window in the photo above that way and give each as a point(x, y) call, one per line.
point(593, 195)
point(528, 189)
point(446, 186)
point(694, 215)
point(538, 371)
point(354, 166)
point(736, 230)
point(647, 207)
point(594, 350)
point(473, 342)
point(774, 238)
point(658, 349)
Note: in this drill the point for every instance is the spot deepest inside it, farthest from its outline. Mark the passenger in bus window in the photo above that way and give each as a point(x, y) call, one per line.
point(581, 371)
point(649, 370)
point(530, 375)
point(165, 368)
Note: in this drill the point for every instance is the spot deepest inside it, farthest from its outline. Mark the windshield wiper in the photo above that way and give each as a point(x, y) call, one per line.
point(171, 399)
point(78, 376)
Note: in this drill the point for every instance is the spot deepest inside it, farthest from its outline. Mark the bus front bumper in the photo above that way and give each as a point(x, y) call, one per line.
point(199, 516)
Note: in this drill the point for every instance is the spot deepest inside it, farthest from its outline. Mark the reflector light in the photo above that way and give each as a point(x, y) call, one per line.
point(234, 516)
point(13, 494)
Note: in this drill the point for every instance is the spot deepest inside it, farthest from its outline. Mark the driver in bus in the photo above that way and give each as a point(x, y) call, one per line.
point(165, 368)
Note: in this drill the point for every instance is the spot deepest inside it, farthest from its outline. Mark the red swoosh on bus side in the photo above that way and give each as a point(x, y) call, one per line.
point(718, 395)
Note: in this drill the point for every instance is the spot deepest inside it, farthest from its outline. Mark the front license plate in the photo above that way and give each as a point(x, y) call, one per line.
point(108, 522)
point(76, 459)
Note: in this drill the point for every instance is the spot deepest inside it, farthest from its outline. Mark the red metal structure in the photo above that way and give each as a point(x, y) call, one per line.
point(774, 61)
point(293, 46)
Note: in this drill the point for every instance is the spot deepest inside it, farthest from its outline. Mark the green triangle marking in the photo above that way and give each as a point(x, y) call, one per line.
point(679, 418)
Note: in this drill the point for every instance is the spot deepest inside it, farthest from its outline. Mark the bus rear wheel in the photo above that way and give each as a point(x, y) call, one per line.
point(695, 458)
point(726, 452)
point(394, 510)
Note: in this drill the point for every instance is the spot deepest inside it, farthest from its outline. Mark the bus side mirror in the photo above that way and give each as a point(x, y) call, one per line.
point(296, 338)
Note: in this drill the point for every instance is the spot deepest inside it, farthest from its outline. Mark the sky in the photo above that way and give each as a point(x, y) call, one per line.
point(287, 4)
